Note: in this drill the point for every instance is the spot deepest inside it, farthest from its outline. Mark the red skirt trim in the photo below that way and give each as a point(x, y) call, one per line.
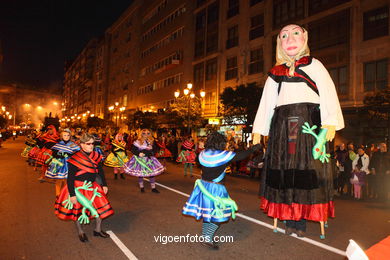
point(42, 157)
point(33, 153)
point(101, 204)
point(295, 211)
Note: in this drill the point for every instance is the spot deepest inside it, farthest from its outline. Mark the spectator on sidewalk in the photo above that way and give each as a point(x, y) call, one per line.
point(342, 178)
point(381, 171)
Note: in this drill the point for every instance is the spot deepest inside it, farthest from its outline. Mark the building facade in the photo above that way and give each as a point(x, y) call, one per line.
point(157, 47)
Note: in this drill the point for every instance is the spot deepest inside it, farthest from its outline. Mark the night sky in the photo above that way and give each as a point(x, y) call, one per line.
point(37, 37)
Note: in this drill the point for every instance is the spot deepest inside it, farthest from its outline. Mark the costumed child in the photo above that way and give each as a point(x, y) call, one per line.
point(210, 200)
point(30, 144)
point(46, 142)
point(58, 167)
point(163, 153)
point(117, 158)
point(358, 180)
point(84, 196)
point(97, 147)
point(143, 164)
point(359, 172)
point(296, 187)
point(33, 153)
point(187, 155)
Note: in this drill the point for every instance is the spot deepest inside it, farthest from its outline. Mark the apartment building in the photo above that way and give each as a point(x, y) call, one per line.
point(122, 45)
point(165, 57)
point(79, 84)
point(158, 46)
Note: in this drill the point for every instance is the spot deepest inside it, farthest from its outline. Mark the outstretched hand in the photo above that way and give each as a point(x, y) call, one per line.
point(331, 132)
point(256, 138)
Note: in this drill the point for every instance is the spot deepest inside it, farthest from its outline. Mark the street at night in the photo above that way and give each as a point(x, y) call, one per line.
point(30, 230)
point(195, 129)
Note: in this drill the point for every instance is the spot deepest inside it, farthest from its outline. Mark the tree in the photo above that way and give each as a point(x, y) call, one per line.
point(143, 120)
point(97, 122)
point(240, 104)
point(188, 112)
point(3, 122)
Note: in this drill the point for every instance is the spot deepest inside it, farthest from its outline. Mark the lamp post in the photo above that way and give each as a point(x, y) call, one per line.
point(117, 111)
point(189, 95)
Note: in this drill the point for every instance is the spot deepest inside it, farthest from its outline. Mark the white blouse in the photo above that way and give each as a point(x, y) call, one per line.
point(299, 92)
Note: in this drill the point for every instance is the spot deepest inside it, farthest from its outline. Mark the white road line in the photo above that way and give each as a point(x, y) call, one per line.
point(256, 221)
point(121, 246)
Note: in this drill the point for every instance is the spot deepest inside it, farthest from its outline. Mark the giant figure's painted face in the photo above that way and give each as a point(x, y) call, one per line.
point(292, 39)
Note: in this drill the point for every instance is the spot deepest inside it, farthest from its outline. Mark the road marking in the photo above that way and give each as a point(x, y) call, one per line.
point(256, 221)
point(121, 246)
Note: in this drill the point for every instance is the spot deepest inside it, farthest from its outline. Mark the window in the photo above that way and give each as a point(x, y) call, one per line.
point(167, 20)
point(257, 27)
point(329, 31)
point(211, 69)
point(253, 2)
point(128, 38)
point(286, 11)
point(165, 41)
point(375, 75)
point(200, 2)
point(212, 13)
point(316, 6)
point(231, 68)
point(198, 72)
point(232, 37)
point(199, 48)
point(210, 100)
point(376, 23)
point(340, 79)
point(200, 21)
point(212, 43)
point(233, 9)
point(256, 61)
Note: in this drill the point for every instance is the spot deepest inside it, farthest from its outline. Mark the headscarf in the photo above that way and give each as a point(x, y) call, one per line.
point(283, 58)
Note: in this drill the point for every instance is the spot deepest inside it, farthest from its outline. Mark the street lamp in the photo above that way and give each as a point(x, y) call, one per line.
point(188, 94)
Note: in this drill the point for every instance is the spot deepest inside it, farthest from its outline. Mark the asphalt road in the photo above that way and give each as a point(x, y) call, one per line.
point(30, 230)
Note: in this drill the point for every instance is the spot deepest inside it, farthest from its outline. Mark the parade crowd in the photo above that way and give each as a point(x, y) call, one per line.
point(299, 112)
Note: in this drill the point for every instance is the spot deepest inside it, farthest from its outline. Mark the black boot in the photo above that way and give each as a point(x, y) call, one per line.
point(122, 176)
point(116, 176)
point(142, 190)
point(155, 190)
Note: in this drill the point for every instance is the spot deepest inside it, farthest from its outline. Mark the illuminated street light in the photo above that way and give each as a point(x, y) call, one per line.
point(3, 108)
point(192, 95)
point(7, 113)
point(39, 107)
point(84, 115)
point(10, 117)
point(116, 104)
point(111, 108)
point(55, 103)
point(92, 115)
point(177, 93)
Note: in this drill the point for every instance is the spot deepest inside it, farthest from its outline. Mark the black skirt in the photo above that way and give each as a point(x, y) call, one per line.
point(291, 175)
